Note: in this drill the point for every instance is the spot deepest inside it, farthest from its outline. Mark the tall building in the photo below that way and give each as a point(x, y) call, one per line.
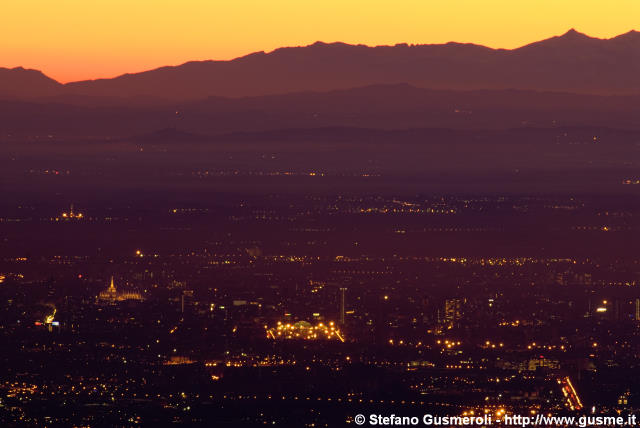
point(112, 295)
point(452, 310)
point(342, 304)
point(637, 310)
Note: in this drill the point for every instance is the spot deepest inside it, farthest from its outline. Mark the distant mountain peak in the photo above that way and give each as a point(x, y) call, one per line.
point(568, 40)
point(574, 33)
point(21, 69)
point(324, 45)
point(26, 82)
point(629, 35)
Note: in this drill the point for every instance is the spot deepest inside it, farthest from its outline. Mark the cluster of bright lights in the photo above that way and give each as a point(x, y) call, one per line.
point(489, 344)
point(570, 394)
point(305, 331)
point(498, 411)
point(49, 319)
point(535, 345)
point(71, 215)
point(448, 343)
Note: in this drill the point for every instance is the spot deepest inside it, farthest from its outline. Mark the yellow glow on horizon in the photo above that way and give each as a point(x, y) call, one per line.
point(73, 40)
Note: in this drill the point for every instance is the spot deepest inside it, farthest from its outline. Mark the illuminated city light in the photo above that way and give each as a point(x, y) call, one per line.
point(304, 330)
point(71, 215)
point(112, 295)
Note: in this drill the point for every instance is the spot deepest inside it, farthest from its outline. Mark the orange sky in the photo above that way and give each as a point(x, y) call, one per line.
point(82, 39)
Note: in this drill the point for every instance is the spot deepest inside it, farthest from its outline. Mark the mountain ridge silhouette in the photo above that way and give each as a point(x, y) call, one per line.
point(572, 62)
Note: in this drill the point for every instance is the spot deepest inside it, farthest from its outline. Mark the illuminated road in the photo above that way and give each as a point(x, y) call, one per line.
point(571, 395)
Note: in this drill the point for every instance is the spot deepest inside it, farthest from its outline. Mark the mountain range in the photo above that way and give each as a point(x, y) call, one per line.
point(572, 62)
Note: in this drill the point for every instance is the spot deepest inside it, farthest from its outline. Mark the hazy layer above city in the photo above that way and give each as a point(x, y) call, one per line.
point(550, 118)
point(377, 107)
point(547, 176)
point(560, 160)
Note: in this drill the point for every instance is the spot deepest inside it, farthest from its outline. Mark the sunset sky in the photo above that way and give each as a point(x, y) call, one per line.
point(81, 39)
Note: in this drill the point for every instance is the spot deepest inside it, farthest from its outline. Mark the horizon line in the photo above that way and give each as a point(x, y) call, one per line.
point(572, 30)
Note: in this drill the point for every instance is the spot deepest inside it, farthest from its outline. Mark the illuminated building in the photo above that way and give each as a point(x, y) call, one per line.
point(637, 309)
point(623, 399)
point(176, 360)
point(112, 295)
point(536, 363)
point(303, 330)
point(71, 215)
point(452, 310)
point(49, 320)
